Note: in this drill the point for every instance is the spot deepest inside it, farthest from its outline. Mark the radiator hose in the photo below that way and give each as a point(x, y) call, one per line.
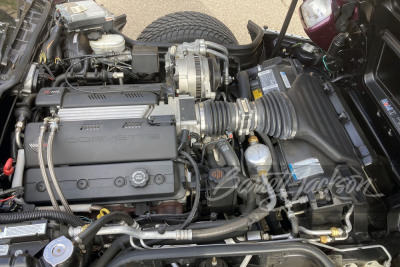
point(272, 114)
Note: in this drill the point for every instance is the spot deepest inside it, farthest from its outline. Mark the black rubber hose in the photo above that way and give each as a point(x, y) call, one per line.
point(243, 78)
point(235, 250)
point(197, 197)
point(59, 216)
point(244, 84)
point(233, 226)
point(274, 112)
point(250, 202)
point(13, 146)
point(210, 157)
point(89, 76)
point(123, 241)
point(184, 139)
point(284, 28)
point(27, 101)
point(86, 236)
point(229, 154)
point(275, 163)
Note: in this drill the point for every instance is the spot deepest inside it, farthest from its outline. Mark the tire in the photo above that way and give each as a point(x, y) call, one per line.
point(187, 26)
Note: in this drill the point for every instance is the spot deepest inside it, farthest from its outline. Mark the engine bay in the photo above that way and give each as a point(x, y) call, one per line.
point(170, 138)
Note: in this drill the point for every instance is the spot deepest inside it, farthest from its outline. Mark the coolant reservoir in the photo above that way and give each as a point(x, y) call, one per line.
point(258, 157)
point(108, 43)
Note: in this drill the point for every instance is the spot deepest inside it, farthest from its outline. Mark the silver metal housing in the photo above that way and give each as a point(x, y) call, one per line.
point(258, 157)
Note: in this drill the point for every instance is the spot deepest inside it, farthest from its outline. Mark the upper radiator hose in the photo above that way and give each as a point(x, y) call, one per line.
point(272, 114)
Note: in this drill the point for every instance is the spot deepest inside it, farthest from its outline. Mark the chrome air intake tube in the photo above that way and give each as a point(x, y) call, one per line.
point(272, 114)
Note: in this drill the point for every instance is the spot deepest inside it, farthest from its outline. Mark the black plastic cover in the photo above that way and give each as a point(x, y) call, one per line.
point(276, 74)
point(145, 59)
point(62, 97)
point(104, 141)
point(318, 122)
point(110, 183)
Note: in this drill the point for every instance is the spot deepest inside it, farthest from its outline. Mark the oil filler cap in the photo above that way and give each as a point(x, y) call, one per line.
point(139, 178)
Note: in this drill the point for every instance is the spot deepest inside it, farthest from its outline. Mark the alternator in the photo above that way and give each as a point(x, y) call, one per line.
point(192, 68)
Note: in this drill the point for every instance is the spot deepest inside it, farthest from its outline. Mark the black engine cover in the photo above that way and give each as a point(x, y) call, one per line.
point(105, 141)
point(111, 183)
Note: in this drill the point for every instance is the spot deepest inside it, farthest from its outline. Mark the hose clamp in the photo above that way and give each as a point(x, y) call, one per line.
point(245, 116)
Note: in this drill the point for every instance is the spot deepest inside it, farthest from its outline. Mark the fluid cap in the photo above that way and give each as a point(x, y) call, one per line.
point(59, 251)
point(139, 178)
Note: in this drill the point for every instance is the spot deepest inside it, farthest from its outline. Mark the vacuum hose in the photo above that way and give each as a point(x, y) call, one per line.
point(272, 114)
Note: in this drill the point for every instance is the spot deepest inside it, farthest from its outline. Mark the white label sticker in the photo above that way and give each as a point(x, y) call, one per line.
point(24, 230)
point(267, 80)
point(78, 9)
point(308, 48)
point(75, 39)
point(4, 250)
point(305, 168)
point(285, 79)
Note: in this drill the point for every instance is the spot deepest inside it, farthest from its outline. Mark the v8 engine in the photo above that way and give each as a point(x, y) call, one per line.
point(182, 142)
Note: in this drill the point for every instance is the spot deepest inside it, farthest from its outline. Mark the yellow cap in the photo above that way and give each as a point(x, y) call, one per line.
point(262, 172)
point(253, 139)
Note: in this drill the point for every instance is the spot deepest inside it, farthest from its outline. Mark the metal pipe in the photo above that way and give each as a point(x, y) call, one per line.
point(347, 219)
point(217, 46)
point(19, 169)
point(285, 26)
point(387, 263)
point(334, 232)
point(317, 232)
point(53, 129)
point(139, 234)
point(282, 236)
point(18, 138)
point(75, 208)
point(46, 181)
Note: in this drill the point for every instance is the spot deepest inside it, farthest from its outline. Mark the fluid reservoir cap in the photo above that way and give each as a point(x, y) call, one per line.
point(139, 178)
point(58, 251)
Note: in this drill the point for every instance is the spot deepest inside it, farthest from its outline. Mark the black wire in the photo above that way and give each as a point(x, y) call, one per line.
point(197, 197)
point(3, 133)
point(48, 70)
point(105, 55)
point(97, 92)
